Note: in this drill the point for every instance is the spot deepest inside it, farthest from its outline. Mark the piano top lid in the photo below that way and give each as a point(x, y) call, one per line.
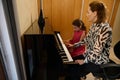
point(34, 29)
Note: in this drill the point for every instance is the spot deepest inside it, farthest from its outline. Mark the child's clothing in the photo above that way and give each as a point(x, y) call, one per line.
point(76, 38)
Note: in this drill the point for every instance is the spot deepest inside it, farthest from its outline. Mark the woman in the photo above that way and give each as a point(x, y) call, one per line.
point(98, 40)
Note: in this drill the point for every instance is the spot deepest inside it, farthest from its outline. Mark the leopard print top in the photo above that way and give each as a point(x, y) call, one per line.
point(98, 41)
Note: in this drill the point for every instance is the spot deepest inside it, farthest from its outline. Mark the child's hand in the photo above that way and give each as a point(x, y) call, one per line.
point(70, 45)
point(66, 43)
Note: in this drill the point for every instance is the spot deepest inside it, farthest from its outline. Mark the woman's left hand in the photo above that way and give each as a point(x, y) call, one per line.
point(80, 62)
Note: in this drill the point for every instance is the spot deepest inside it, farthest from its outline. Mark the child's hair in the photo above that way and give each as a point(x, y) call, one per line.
point(79, 23)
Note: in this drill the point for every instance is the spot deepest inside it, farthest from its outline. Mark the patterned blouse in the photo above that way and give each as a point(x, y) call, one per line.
point(98, 41)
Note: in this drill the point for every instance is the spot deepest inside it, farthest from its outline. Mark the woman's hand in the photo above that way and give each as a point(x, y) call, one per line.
point(80, 62)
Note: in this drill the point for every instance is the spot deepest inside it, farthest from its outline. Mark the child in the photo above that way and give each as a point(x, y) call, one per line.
point(76, 53)
point(79, 34)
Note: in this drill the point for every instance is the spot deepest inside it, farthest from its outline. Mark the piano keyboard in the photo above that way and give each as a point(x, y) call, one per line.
point(63, 51)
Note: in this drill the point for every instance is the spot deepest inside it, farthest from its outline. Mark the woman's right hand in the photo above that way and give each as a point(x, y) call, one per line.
point(80, 62)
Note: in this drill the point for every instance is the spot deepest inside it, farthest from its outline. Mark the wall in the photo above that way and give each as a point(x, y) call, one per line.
point(60, 14)
point(26, 12)
point(116, 28)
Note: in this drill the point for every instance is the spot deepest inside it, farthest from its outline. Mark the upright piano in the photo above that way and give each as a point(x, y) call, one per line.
point(45, 55)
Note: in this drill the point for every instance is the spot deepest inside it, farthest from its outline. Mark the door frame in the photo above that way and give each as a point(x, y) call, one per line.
point(11, 52)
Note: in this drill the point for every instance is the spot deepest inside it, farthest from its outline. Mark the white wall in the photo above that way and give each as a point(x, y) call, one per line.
point(116, 28)
point(26, 12)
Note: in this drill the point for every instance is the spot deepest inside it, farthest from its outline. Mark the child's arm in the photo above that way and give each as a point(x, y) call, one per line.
point(82, 36)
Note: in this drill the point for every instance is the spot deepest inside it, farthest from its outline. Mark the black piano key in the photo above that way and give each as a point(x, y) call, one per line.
point(65, 60)
point(64, 57)
point(62, 53)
